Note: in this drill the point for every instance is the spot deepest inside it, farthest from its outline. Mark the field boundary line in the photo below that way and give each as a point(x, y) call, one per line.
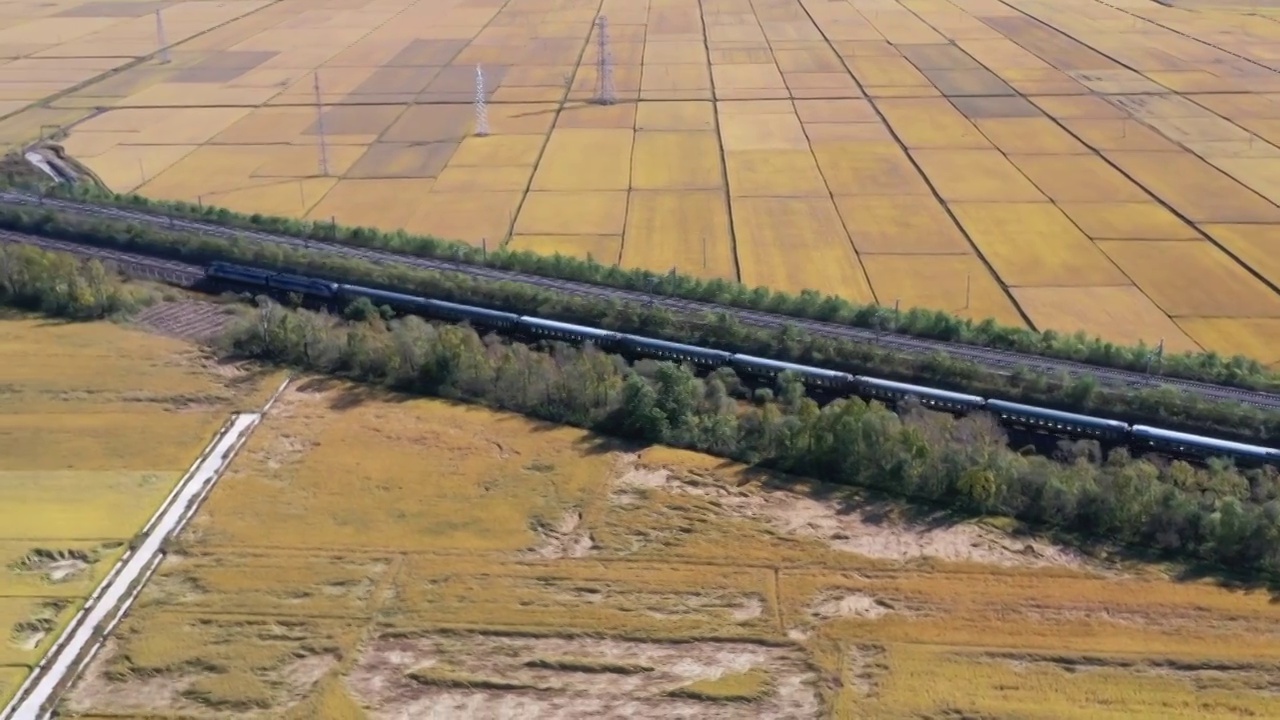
point(107, 606)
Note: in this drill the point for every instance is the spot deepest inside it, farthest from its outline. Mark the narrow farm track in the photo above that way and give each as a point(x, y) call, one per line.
point(998, 360)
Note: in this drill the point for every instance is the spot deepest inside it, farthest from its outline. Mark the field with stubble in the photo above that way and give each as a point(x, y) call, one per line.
point(1071, 165)
point(97, 424)
point(381, 557)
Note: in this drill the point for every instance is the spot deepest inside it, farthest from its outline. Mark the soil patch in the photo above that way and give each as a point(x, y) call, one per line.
point(509, 677)
point(872, 528)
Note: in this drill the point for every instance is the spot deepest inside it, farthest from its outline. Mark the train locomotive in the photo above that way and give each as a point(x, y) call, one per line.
point(1025, 417)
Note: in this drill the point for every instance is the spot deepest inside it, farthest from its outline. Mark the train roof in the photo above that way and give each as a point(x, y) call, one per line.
point(471, 309)
point(1190, 439)
point(1066, 417)
point(566, 327)
point(780, 365)
point(920, 390)
point(382, 293)
point(675, 346)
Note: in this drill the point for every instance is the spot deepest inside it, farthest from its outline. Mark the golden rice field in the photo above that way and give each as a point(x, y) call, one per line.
point(1106, 166)
point(97, 424)
point(370, 557)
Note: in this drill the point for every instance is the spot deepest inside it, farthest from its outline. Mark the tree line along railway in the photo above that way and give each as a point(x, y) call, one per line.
point(1013, 415)
point(996, 360)
point(1036, 421)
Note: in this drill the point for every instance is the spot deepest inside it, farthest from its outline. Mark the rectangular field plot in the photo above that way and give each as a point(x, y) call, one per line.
point(1122, 315)
point(835, 111)
point(1035, 244)
point(1078, 179)
point(687, 115)
point(127, 168)
point(70, 505)
point(266, 125)
point(77, 369)
point(685, 230)
point(66, 440)
point(585, 159)
point(303, 161)
point(312, 477)
point(941, 282)
point(731, 78)
point(1193, 279)
point(444, 591)
point(1195, 189)
point(364, 203)
point(774, 131)
point(674, 160)
point(1030, 135)
point(886, 71)
point(774, 173)
point(794, 244)
point(585, 115)
point(499, 150)
point(901, 224)
point(1128, 221)
point(1257, 338)
point(278, 584)
point(281, 198)
point(474, 217)
point(476, 178)
point(1255, 245)
point(572, 213)
point(604, 249)
point(1127, 135)
point(675, 82)
point(930, 123)
point(868, 168)
point(976, 176)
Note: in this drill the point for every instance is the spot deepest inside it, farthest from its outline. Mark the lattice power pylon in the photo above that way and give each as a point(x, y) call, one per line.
point(482, 108)
point(605, 94)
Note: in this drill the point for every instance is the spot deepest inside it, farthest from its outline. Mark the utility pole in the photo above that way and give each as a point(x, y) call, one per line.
point(160, 39)
point(324, 150)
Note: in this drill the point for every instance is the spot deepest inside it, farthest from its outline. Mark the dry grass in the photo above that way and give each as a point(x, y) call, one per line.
point(59, 569)
point(426, 557)
point(736, 687)
point(10, 679)
point(28, 626)
point(97, 423)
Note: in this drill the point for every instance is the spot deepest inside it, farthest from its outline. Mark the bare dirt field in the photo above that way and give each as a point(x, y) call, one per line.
point(1063, 164)
point(379, 557)
point(97, 423)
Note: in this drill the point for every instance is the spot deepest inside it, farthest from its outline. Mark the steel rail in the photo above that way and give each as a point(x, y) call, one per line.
point(132, 264)
point(1004, 361)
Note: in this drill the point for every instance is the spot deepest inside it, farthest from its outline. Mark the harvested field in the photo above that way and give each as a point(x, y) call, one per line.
point(97, 423)
point(384, 557)
point(1135, 121)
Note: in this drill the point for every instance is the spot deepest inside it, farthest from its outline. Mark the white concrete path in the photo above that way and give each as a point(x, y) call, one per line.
point(112, 600)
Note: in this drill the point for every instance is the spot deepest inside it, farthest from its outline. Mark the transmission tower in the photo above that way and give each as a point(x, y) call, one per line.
point(324, 149)
point(482, 109)
point(604, 64)
point(160, 39)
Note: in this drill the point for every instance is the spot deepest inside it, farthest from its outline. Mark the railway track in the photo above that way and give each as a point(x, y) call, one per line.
point(132, 264)
point(1000, 360)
